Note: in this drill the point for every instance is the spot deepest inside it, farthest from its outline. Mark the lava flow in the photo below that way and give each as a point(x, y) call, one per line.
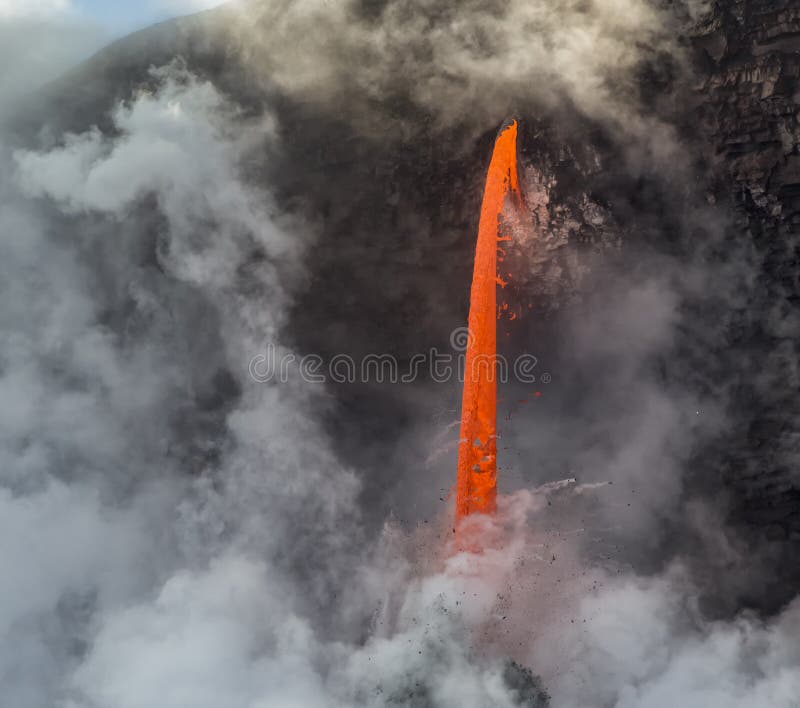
point(476, 487)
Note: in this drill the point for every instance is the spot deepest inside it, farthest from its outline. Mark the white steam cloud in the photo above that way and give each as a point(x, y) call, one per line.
point(137, 584)
point(470, 64)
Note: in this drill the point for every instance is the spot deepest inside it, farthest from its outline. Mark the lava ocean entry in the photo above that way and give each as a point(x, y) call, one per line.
point(235, 250)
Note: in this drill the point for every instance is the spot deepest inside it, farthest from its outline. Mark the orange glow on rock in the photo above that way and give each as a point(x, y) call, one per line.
point(476, 486)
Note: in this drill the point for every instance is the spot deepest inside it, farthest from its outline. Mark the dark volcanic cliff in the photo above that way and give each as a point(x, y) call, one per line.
point(406, 291)
point(749, 54)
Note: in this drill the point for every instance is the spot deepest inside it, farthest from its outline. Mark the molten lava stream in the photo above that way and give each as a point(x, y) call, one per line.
point(476, 487)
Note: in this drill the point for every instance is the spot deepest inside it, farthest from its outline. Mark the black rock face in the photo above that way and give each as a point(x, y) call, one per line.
point(750, 57)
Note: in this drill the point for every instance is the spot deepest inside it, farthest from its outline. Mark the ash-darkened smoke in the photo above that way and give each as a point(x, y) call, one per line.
point(306, 177)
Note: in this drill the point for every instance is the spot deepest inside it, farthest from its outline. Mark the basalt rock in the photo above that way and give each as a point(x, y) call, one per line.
point(749, 51)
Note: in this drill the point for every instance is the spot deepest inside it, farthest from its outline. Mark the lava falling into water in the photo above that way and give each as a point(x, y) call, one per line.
point(476, 487)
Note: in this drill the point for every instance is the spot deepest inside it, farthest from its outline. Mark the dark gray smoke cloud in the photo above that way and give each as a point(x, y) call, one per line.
point(176, 534)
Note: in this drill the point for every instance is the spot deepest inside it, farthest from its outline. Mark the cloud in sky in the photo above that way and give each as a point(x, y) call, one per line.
point(32, 8)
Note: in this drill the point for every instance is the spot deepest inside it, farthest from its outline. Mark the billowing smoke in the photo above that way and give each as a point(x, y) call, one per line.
point(177, 549)
point(465, 64)
point(305, 176)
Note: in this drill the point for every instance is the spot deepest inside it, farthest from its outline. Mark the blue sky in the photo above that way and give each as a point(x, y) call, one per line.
point(120, 16)
point(114, 16)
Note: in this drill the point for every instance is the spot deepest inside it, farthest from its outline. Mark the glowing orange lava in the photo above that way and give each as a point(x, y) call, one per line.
point(476, 487)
